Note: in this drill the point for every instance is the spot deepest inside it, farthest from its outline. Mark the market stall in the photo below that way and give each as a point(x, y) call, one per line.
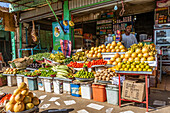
point(97, 71)
point(79, 74)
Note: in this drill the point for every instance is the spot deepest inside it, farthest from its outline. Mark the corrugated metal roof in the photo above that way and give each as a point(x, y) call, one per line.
point(24, 5)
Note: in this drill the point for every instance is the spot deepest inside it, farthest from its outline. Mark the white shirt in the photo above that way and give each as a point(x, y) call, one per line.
point(129, 40)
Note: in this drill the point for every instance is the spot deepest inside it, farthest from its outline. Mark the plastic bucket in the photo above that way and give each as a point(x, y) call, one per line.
point(32, 83)
point(58, 86)
point(112, 92)
point(40, 84)
point(66, 87)
point(11, 80)
point(86, 91)
point(99, 93)
point(48, 85)
point(19, 80)
point(76, 90)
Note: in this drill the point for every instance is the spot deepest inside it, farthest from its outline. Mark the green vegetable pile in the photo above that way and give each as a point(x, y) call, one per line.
point(68, 60)
point(40, 55)
point(49, 73)
point(21, 72)
point(84, 74)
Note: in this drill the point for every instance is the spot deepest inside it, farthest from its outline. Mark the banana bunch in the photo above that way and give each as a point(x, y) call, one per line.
point(65, 22)
point(71, 23)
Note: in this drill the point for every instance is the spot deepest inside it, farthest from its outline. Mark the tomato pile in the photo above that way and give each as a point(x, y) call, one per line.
point(89, 64)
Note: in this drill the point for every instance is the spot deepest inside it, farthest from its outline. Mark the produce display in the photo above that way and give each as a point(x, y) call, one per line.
point(137, 52)
point(30, 74)
point(140, 52)
point(68, 60)
point(63, 71)
point(95, 52)
point(49, 73)
point(116, 59)
point(89, 64)
point(133, 66)
point(79, 56)
point(21, 72)
point(84, 74)
point(22, 99)
point(39, 56)
point(59, 57)
point(10, 71)
point(105, 75)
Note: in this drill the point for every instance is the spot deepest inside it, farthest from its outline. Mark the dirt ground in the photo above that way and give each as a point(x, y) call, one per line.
point(80, 104)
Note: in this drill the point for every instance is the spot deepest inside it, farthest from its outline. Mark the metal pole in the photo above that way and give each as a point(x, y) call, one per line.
point(55, 15)
point(13, 45)
point(20, 39)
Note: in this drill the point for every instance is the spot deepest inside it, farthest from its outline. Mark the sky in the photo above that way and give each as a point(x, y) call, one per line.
point(2, 4)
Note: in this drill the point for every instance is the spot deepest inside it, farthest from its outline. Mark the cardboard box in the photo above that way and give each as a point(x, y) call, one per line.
point(133, 90)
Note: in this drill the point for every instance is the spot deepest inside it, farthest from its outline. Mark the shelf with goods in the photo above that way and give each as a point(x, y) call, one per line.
point(162, 15)
point(120, 24)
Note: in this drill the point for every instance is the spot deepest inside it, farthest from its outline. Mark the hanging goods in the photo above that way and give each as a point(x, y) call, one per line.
point(34, 37)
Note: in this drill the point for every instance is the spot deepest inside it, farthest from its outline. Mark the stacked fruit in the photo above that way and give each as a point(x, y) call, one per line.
point(105, 75)
point(133, 66)
point(140, 52)
point(10, 71)
point(137, 52)
point(79, 56)
point(116, 59)
point(113, 47)
point(21, 99)
point(84, 74)
point(59, 57)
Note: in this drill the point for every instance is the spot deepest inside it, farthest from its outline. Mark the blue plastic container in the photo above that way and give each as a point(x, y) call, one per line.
point(32, 83)
point(75, 90)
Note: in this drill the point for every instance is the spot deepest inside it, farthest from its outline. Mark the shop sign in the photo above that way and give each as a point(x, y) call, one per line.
point(58, 34)
point(162, 3)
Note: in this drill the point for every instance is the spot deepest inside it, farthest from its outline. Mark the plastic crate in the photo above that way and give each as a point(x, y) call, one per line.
point(75, 90)
point(32, 83)
point(99, 92)
point(86, 91)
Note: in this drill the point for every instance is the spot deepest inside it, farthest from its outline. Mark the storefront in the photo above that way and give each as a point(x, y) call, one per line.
point(80, 49)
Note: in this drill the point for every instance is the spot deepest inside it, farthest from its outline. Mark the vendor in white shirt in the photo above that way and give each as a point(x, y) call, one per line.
point(128, 39)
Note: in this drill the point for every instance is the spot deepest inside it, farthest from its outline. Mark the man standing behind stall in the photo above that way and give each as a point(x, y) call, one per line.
point(128, 39)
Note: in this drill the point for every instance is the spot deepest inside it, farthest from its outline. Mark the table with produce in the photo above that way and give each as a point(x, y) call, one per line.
point(103, 65)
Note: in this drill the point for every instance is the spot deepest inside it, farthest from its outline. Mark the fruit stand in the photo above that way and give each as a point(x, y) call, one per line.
point(89, 73)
